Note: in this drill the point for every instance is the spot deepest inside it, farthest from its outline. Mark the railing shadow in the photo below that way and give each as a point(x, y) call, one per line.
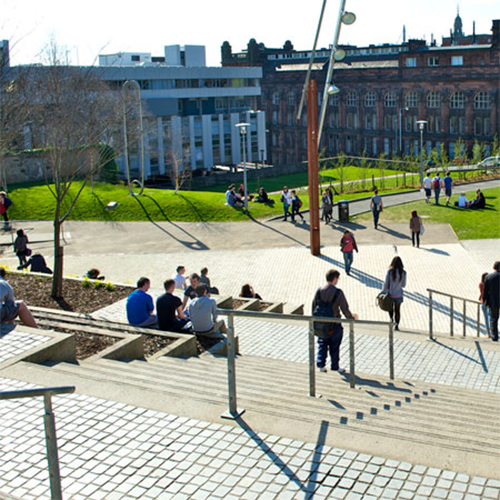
point(457, 352)
point(481, 357)
point(194, 245)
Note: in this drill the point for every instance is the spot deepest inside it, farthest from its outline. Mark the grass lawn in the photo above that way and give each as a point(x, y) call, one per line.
point(36, 202)
point(467, 224)
point(386, 179)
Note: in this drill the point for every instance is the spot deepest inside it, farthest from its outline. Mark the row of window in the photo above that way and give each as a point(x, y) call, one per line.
point(411, 62)
point(482, 99)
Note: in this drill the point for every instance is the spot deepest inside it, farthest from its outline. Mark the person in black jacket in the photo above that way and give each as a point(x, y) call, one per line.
point(330, 343)
point(491, 297)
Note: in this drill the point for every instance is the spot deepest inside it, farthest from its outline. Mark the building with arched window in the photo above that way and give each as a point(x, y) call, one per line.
point(385, 90)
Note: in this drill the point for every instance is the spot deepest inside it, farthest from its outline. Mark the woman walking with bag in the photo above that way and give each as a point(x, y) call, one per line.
point(395, 281)
point(416, 228)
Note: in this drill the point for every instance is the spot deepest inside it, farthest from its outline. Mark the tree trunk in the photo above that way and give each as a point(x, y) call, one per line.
point(57, 278)
point(3, 173)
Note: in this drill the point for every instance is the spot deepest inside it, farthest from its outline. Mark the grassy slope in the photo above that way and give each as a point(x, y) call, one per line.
point(467, 224)
point(36, 202)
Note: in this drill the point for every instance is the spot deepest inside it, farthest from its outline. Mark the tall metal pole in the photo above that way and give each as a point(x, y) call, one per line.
point(311, 62)
point(421, 154)
point(330, 71)
point(52, 454)
point(312, 164)
point(243, 137)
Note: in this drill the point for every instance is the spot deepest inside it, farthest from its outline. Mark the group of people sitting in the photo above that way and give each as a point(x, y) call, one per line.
point(195, 312)
point(477, 203)
point(237, 198)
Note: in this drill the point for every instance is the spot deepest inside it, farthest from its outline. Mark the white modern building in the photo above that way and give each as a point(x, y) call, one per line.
point(191, 109)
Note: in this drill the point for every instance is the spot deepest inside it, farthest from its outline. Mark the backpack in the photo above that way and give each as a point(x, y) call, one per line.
point(299, 202)
point(7, 202)
point(325, 309)
point(436, 183)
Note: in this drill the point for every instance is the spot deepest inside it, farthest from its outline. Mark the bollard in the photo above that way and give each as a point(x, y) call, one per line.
point(233, 413)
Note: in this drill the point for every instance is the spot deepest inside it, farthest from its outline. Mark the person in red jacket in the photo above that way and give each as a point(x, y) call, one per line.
point(347, 246)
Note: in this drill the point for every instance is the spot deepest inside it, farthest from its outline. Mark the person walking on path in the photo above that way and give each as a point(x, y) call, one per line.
point(21, 247)
point(395, 281)
point(448, 187)
point(10, 309)
point(484, 307)
point(329, 341)
point(5, 203)
point(347, 246)
point(286, 199)
point(326, 207)
point(140, 306)
point(416, 227)
point(427, 187)
point(296, 206)
point(376, 206)
point(437, 184)
point(491, 297)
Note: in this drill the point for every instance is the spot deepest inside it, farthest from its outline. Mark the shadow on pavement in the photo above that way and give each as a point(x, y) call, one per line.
point(278, 231)
point(396, 234)
point(196, 244)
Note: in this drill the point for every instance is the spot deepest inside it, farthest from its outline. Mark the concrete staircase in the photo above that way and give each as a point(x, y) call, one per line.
point(417, 422)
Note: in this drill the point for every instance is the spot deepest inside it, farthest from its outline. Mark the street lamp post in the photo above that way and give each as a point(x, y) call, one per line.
point(134, 84)
point(243, 132)
point(421, 125)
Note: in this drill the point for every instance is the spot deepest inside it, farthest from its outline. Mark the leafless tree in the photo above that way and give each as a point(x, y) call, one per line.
point(72, 112)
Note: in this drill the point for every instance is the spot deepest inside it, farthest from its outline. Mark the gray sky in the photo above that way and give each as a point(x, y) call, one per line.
point(94, 27)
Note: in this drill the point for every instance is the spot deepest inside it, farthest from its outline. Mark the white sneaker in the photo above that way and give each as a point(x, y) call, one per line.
point(340, 370)
point(323, 369)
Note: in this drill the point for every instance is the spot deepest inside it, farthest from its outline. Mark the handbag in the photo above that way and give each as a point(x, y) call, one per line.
point(422, 228)
point(28, 251)
point(384, 301)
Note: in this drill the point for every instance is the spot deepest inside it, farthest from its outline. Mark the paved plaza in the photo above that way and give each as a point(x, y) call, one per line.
point(114, 450)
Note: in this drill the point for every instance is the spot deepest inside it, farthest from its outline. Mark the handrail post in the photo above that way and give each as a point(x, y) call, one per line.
point(233, 413)
point(352, 378)
point(312, 373)
point(391, 351)
point(478, 322)
point(51, 443)
point(464, 318)
point(430, 316)
point(451, 316)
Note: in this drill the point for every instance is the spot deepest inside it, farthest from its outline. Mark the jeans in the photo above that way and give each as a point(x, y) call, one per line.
point(286, 206)
point(436, 195)
point(332, 345)
point(348, 259)
point(494, 322)
point(415, 235)
point(376, 215)
point(486, 315)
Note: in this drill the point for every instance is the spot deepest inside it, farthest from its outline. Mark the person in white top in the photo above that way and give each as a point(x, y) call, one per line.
point(427, 187)
point(180, 280)
point(286, 199)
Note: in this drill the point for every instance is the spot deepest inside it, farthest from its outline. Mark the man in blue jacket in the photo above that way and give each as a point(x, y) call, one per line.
point(140, 306)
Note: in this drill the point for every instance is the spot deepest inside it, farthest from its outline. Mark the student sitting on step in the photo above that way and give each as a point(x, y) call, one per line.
point(203, 313)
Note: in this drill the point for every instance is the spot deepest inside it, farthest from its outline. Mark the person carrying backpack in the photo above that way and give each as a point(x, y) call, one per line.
point(329, 301)
point(437, 184)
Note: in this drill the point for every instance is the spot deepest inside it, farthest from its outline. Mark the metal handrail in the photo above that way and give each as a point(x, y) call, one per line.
point(50, 429)
point(233, 411)
point(464, 312)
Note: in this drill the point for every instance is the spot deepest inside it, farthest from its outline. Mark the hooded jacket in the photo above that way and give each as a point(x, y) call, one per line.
point(203, 313)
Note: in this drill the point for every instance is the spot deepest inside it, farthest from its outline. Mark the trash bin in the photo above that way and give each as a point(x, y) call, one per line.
point(343, 211)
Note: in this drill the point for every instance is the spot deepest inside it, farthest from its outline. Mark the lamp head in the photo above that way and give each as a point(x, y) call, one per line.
point(421, 124)
point(243, 127)
point(339, 54)
point(348, 18)
point(333, 89)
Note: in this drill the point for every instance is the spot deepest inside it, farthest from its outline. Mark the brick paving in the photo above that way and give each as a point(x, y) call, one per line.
point(115, 451)
point(16, 342)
